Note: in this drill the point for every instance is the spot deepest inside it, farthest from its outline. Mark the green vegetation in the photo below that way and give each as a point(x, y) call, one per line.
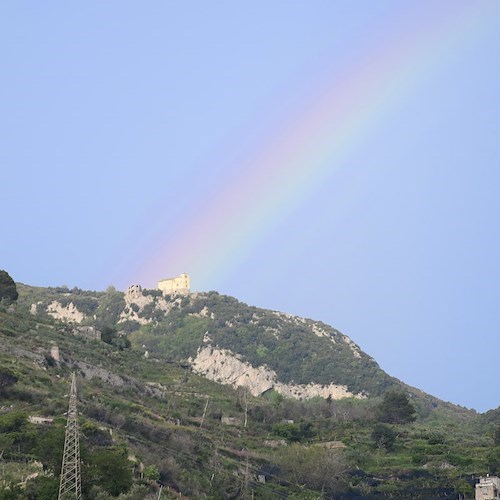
point(151, 422)
point(259, 337)
point(8, 289)
point(111, 470)
point(396, 408)
point(384, 437)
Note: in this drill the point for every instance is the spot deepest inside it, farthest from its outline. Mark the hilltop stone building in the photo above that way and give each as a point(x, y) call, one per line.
point(488, 488)
point(178, 285)
point(134, 291)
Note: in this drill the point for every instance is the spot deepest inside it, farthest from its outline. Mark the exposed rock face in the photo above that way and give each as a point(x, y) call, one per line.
point(327, 363)
point(353, 346)
point(225, 367)
point(312, 390)
point(91, 371)
point(135, 296)
point(136, 302)
point(320, 332)
point(70, 313)
point(204, 313)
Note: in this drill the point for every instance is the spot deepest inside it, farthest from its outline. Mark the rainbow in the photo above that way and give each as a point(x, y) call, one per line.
point(216, 234)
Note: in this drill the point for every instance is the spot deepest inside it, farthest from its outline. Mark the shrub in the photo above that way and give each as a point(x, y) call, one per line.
point(8, 290)
point(315, 466)
point(293, 432)
point(7, 378)
point(151, 473)
point(496, 436)
point(111, 470)
point(383, 436)
point(12, 422)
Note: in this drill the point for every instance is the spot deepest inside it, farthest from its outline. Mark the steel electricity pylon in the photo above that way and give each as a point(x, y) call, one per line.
point(70, 486)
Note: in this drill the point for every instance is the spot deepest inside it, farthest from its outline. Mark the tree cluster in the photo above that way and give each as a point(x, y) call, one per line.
point(8, 289)
point(396, 408)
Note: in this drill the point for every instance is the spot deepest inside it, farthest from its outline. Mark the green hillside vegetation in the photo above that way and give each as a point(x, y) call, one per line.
point(151, 422)
point(259, 336)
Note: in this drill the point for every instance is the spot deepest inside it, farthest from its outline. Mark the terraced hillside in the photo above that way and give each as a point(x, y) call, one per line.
point(149, 419)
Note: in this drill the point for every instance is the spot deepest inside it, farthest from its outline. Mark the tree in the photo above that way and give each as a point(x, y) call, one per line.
point(13, 422)
point(137, 492)
point(6, 379)
point(111, 336)
point(110, 308)
point(315, 467)
point(383, 437)
point(8, 290)
point(42, 488)
point(50, 448)
point(10, 492)
point(396, 408)
point(151, 473)
point(493, 459)
point(294, 432)
point(111, 470)
point(108, 334)
point(496, 436)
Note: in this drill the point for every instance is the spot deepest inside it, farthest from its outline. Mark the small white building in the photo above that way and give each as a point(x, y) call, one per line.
point(488, 488)
point(180, 284)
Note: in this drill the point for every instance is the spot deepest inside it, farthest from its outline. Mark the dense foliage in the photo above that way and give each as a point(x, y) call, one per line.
point(260, 337)
point(151, 422)
point(8, 289)
point(396, 408)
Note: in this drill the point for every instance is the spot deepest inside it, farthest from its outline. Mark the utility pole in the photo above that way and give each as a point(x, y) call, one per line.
point(246, 411)
point(204, 412)
point(245, 494)
point(70, 486)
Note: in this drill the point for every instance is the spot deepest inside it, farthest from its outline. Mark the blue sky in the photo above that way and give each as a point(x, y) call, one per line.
point(119, 120)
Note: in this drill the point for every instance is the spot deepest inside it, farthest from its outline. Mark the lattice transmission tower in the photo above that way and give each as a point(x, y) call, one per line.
point(70, 486)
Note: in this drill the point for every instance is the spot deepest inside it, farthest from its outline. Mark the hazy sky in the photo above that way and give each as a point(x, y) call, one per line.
point(335, 160)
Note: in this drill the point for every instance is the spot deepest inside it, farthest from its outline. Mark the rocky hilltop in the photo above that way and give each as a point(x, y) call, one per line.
point(224, 340)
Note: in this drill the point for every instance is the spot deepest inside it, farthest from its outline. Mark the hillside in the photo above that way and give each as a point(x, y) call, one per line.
point(151, 419)
point(225, 340)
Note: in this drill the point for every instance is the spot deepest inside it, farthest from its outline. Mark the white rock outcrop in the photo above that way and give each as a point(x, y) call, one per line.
point(313, 390)
point(204, 313)
point(320, 332)
point(221, 365)
point(135, 296)
point(129, 314)
point(353, 346)
point(225, 367)
point(68, 313)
